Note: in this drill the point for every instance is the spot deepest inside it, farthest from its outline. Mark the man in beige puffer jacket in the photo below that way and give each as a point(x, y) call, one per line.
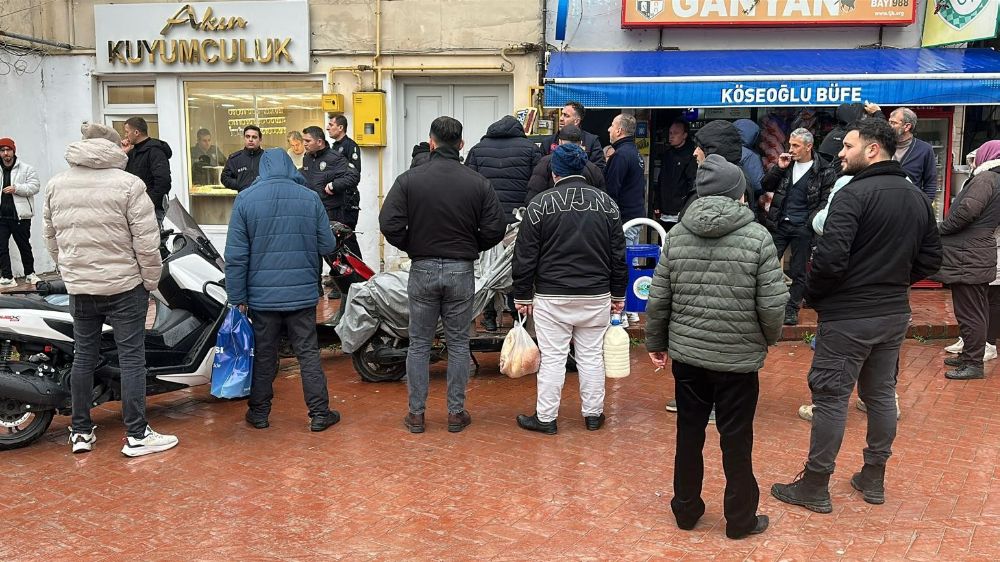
point(101, 231)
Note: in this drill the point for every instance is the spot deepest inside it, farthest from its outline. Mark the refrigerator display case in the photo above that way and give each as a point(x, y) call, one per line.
point(934, 125)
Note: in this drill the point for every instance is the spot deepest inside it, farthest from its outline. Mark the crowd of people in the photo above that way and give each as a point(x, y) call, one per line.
point(855, 215)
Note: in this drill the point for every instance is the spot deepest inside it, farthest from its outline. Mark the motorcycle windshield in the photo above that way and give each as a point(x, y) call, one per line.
point(178, 218)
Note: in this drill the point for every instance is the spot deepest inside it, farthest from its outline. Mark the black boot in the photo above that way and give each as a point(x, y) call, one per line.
point(490, 321)
point(871, 483)
point(532, 423)
point(809, 489)
point(791, 317)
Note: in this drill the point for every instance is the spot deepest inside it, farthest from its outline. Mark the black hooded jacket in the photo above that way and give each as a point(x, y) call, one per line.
point(149, 160)
point(241, 168)
point(541, 177)
point(421, 154)
point(506, 157)
point(722, 138)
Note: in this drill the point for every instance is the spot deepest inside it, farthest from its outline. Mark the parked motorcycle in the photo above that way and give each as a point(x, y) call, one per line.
point(374, 326)
point(36, 336)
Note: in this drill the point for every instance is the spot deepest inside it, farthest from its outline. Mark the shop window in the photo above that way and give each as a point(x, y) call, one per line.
point(118, 123)
point(131, 94)
point(220, 111)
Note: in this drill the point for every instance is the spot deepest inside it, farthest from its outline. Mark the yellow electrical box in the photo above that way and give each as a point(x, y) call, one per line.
point(333, 103)
point(369, 118)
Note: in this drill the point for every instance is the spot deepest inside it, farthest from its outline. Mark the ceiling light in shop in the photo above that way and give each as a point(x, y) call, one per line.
point(226, 105)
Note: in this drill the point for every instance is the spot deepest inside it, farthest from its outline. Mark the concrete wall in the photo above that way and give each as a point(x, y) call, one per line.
point(44, 110)
point(595, 25)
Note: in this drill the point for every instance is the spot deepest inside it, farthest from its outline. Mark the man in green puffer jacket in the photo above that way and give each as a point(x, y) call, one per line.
point(716, 302)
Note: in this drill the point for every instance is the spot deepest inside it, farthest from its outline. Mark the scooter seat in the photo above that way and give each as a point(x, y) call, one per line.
point(29, 303)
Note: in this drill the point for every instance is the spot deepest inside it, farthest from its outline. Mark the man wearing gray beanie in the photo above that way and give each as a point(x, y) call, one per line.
point(715, 304)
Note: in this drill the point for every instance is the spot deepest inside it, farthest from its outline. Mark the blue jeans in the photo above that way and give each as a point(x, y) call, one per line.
point(126, 313)
point(439, 288)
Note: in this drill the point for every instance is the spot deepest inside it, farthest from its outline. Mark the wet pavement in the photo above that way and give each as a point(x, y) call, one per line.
point(366, 489)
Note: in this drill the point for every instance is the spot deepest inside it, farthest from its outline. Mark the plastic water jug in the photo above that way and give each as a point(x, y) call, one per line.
point(616, 350)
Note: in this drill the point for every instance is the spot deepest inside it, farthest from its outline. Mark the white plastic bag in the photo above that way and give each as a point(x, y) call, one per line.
point(519, 355)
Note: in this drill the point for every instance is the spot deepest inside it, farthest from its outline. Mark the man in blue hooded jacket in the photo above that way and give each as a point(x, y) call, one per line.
point(277, 232)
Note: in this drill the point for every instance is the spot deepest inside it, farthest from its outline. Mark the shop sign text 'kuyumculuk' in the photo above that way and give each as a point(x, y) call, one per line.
point(203, 37)
point(766, 13)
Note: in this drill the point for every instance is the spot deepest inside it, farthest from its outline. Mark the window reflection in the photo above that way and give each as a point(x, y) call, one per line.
point(217, 112)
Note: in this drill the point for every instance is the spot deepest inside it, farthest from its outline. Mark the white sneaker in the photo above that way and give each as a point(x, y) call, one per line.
point(956, 347)
point(633, 318)
point(7, 281)
point(31, 279)
point(151, 442)
point(991, 352)
point(82, 442)
point(806, 412)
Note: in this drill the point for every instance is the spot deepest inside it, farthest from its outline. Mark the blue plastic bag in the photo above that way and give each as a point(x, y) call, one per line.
point(232, 369)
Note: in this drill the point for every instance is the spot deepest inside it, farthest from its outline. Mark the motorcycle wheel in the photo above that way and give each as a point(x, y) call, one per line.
point(371, 370)
point(20, 429)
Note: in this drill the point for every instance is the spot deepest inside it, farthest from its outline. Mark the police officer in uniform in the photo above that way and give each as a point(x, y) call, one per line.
point(346, 147)
point(242, 166)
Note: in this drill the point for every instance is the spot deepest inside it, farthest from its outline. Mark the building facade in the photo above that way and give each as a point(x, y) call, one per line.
point(218, 66)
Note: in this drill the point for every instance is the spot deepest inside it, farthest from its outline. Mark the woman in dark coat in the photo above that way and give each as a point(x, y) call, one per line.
point(970, 258)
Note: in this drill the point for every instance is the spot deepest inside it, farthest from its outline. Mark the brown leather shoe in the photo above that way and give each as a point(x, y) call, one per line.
point(414, 422)
point(458, 422)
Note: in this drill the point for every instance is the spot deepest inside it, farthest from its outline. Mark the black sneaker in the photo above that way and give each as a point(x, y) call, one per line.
point(966, 372)
point(953, 362)
point(532, 423)
point(321, 422)
point(758, 528)
point(791, 318)
point(593, 423)
point(257, 422)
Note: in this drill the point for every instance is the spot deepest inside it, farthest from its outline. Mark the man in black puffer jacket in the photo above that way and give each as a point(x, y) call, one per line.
point(148, 158)
point(506, 157)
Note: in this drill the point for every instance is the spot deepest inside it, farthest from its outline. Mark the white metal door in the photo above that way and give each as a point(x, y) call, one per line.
point(476, 106)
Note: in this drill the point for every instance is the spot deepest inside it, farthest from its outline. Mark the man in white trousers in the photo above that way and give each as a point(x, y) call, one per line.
point(569, 269)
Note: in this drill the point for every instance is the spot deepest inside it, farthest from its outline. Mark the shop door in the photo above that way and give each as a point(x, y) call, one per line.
point(476, 106)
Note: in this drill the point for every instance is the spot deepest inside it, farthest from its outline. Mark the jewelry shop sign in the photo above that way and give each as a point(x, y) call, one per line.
point(268, 36)
point(766, 13)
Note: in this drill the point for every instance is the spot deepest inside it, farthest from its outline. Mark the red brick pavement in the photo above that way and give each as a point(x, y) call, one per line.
point(368, 490)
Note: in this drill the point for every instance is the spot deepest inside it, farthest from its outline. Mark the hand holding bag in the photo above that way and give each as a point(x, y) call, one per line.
point(519, 355)
point(232, 369)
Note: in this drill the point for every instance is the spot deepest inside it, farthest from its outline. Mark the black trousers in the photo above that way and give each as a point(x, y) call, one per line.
point(301, 329)
point(21, 231)
point(993, 332)
point(972, 312)
point(800, 240)
point(734, 396)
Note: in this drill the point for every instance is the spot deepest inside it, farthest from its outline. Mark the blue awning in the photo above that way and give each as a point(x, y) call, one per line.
point(803, 77)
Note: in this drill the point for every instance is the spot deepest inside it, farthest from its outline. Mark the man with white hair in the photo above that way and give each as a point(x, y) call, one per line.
point(914, 155)
point(799, 185)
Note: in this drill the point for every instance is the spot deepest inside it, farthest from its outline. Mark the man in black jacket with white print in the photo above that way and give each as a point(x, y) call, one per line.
point(568, 270)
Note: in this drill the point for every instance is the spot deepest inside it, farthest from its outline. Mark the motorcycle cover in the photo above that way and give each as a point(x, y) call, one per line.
point(232, 369)
point(383, 300)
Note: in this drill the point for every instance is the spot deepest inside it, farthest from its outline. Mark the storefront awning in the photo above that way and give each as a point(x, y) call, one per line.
point(820, 77)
